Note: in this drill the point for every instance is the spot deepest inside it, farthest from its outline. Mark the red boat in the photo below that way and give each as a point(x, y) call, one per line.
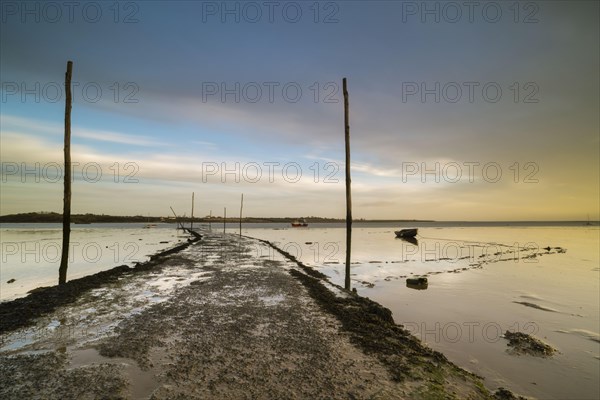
point(299, 223)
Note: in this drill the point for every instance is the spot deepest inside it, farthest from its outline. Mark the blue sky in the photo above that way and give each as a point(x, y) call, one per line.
point(179, 97)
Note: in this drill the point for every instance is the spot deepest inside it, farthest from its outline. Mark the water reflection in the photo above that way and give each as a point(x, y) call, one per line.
point(411, 240)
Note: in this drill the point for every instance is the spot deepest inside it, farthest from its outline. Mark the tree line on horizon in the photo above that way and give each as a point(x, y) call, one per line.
point(50, 217)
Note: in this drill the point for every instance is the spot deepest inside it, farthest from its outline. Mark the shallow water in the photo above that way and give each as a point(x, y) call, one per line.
point(482, 281)
point(30, 253)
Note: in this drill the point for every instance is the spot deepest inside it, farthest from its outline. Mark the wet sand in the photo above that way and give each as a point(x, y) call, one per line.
point(215, 320)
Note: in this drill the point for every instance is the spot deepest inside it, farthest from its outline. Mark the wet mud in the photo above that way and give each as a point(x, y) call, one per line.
point(214, 320)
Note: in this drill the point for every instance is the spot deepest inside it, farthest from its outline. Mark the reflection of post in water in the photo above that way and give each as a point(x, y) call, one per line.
point(192, 221)
point(241, 209)
point(348, 192)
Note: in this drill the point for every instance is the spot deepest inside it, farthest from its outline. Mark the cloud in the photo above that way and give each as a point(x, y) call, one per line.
point(37, 127)
point(116, 137)
point(172, 132)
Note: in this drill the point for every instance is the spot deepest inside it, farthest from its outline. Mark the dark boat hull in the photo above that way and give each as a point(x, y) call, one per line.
point(406, 233)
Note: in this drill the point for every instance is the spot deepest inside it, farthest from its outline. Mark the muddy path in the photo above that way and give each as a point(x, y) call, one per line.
point(225, 318)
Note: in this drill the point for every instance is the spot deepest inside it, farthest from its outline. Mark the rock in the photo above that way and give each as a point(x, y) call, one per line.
point(11, 280)
point(505, 394)
point(523, 343)
point(416, 281)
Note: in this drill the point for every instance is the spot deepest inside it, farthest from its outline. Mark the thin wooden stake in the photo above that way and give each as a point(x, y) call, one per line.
point(192, 223)
point(64, 259)
point(224, 218)
point(348, 190)
point(210, 221)
point(179, 224)
point(241, 209)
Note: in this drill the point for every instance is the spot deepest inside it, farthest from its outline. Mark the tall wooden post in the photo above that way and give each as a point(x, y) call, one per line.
point(241, 209)
point(348, 190)
point(210, 221)
point(64, 259)
point(224, 218)
point(192, 223)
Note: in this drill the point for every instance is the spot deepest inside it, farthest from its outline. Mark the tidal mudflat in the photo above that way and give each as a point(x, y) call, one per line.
point(538, 279)
point(217, 321)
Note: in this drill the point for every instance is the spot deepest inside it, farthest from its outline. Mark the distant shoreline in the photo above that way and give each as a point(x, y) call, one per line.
point(43, 217)
point(50, 217)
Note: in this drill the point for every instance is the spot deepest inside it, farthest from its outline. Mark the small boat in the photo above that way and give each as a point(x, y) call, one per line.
point(299, 223)
point(406, 233)
point(148, 226)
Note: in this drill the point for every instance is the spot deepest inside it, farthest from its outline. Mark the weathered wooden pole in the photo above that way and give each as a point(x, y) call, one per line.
point(179, 224)
point(210, 221)
point(64, 259)
point(192, 223)
point(348, 190)
point(241, 209)
point(224, 218)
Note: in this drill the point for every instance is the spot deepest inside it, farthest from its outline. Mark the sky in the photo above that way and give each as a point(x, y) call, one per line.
point(462, 110)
